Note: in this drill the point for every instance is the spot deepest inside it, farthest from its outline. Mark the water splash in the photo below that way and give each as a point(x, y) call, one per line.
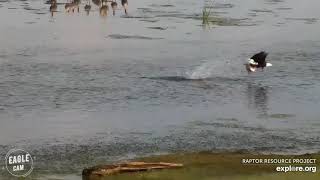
point(210, 70)
point(201, 72)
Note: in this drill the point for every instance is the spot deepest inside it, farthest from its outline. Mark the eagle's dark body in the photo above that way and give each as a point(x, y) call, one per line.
point(257, 61)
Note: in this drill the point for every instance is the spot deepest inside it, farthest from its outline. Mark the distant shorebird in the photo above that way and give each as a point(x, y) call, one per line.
point(104, 9)
point(72, 6)
point(125, 5)
point(87, 7)
point(257, 61)
point(114, 7)
point(53, 7)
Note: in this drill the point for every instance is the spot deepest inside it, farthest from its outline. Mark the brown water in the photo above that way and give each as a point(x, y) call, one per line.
point(77, 89)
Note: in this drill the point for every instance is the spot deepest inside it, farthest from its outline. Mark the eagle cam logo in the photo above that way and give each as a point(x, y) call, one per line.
point(19, 162)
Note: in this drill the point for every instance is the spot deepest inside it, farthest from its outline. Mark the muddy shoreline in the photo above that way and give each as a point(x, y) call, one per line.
point(223, 165)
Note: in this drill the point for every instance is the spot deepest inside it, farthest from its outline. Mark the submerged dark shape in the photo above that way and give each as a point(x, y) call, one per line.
point(170, 78)
point(257, 61)
point(120, 36)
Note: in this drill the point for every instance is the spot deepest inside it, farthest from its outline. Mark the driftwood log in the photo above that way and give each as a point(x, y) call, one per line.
point(105, 170)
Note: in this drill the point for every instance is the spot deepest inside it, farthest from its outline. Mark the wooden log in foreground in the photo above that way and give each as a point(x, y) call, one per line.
point(105, 170)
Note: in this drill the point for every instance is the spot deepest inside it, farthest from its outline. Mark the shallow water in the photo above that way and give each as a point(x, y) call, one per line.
point(78, 89)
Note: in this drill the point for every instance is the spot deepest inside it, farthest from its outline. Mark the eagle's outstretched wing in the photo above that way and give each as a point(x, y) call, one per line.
point(260, 58)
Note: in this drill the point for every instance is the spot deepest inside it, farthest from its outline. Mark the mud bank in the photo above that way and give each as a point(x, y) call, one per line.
point(231, 165)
